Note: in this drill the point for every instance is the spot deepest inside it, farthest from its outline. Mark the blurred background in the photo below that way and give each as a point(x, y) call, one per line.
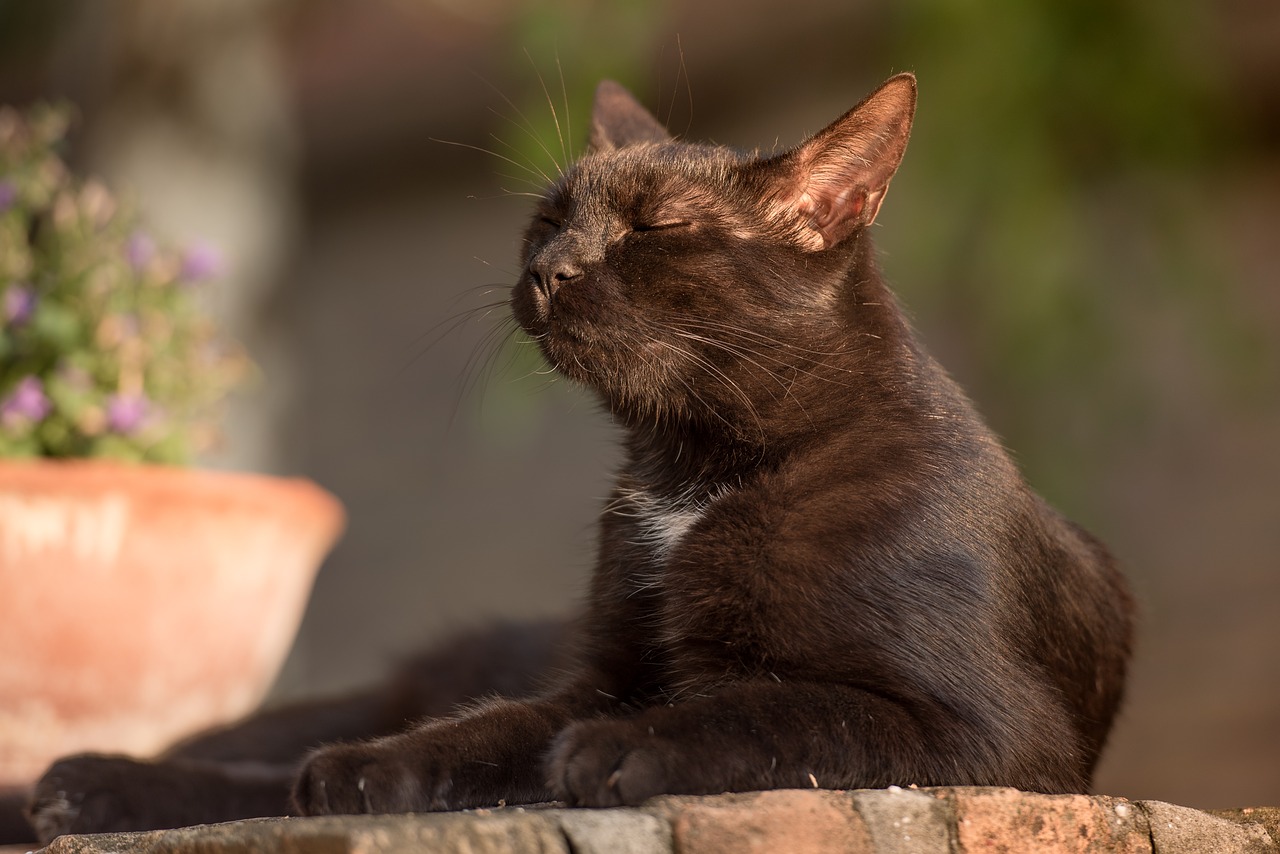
point(1086, 230)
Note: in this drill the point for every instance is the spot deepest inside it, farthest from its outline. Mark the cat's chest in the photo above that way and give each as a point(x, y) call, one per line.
point(661, 523)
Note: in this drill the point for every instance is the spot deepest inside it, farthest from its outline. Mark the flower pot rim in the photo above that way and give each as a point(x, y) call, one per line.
point(58, 475)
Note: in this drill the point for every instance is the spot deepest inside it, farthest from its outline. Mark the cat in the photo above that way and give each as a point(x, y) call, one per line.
point(818, 567)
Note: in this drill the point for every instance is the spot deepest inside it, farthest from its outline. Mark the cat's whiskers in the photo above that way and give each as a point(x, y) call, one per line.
point(564, 149)
point(447, 326)
point(706, 406)
point(512, 194)
point(744, 349)
point(506, 192)
point(528, 131)
point(751, 354)
point(533, 171)
point(756, 339)
point(525, 125)
point(745, 331)
point(743, 354)
point(581, 366)
point(490, 342)
point(568, 114)
point(738, 351)
point(720, 376)
point(688, 85)
point(480, 366)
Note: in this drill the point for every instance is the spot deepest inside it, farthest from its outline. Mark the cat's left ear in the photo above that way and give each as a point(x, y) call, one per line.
point(618, 120)
point(833, 184)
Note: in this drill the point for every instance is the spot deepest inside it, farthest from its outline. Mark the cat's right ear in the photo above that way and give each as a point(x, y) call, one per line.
point(618, 120)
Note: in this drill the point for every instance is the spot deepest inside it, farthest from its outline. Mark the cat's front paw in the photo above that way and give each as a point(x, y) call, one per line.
point(610, 764)
point(350, 779)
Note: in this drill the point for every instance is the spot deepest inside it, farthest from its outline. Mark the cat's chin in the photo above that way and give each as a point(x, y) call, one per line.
point(580, 352)
point(572, 358)
point(614, 384)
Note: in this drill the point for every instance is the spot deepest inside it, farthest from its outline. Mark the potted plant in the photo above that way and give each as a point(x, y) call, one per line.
point(139, 600)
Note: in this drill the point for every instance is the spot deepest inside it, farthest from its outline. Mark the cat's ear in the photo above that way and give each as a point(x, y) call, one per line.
point(833, 184)
point(618, 120)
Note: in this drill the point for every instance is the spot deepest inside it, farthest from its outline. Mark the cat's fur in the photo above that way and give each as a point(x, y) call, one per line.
point(818, 566)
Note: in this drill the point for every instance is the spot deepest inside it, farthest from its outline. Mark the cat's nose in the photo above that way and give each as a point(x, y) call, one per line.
point(552, 269)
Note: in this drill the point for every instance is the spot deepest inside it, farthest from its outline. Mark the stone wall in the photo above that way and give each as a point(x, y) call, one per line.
point(892, 821)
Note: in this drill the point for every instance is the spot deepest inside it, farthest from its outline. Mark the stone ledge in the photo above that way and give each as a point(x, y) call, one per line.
point(889, 821)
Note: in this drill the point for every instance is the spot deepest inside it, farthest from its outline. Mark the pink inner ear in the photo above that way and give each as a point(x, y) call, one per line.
point(826, 210)
point(833, 211)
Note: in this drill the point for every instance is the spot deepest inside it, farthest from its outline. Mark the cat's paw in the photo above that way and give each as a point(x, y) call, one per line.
point(350, 779)
point(416, 773)
point(490, 756)
point(610, 764)
point(91, 793)
point(99, 794)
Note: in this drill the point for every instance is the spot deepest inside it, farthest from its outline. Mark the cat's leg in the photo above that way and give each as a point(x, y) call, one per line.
point(764, 735)
point(507, 660)
point(490, 755)
point(247, 769)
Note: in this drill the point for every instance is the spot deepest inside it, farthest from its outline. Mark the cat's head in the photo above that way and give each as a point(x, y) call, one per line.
point(685, 281)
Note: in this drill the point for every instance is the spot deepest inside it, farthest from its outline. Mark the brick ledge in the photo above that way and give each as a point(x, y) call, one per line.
point(889, 821)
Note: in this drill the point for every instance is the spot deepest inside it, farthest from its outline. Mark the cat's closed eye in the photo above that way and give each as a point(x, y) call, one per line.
point(660, 225)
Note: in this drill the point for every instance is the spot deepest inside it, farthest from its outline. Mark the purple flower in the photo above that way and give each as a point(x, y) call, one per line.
point(26, 403)
point(202, 261)
point(19, 304)
point(139, 249)
point(8, 195)
point(127, 413)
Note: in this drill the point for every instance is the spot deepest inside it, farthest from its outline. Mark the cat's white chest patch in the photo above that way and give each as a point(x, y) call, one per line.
point(664, 523)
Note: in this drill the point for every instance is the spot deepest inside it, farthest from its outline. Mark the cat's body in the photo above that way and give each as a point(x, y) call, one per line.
point(817, 568)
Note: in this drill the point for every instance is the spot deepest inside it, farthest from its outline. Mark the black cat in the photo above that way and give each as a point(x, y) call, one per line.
point(818, 567)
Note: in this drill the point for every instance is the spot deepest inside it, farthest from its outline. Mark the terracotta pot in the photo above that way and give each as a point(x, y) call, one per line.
point(139, 604)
